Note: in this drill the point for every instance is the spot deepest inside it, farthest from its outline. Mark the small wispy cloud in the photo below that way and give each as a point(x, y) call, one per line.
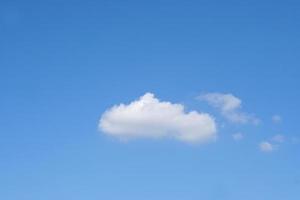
point(278, 138)
point(272, 144)
point(148, 117)
point(229, 106)
point(238, 136)
point(276, 119)
point(266, 147)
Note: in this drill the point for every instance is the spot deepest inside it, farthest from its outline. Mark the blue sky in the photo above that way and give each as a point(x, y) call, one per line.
point(64, 63)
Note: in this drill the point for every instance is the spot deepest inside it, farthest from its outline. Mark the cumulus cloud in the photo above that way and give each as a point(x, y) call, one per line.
point(238, 136)
point(266, 147)
point(148, 117)
point(229, 106)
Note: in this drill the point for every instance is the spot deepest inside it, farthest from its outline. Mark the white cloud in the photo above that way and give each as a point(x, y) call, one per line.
point(278, 138)
point(238, 136)
point(148, 117)
point(229, 106)
point(276, 118)
point(272, 144)
point(266, 147)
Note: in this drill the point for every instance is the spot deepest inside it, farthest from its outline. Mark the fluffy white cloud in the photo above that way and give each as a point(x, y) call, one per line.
point(266, 147)
point(148, 117)
point(238, 136)
point(229, 106)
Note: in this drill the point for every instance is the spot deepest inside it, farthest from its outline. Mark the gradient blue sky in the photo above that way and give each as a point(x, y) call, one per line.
point(63, 63)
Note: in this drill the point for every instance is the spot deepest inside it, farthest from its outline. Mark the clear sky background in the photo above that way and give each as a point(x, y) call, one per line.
point(63, 63)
